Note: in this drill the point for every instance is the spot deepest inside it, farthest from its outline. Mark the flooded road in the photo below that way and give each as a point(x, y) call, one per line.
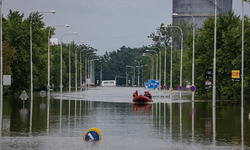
point(172, 121)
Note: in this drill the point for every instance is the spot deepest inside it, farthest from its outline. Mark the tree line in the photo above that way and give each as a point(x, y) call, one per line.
point(114, 64)
point(16, 54)
point(228, 53)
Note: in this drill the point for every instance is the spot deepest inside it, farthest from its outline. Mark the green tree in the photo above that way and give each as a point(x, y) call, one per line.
point(17, 33)
point(228, 54)
point(17, 36)
point(162, 39)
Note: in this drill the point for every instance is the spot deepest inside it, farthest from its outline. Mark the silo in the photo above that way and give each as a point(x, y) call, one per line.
point(199, 9)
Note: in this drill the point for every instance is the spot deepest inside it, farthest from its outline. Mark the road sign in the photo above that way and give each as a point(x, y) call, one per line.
point(208, 73)
point(208, 84)
point(48, 87)
point(170, 88)
point(6, 79)
point(164, 87)
point(153, 84)
point(92, 134)
point(180, 88)
point(24, 95)
point(42, 93)
point(159, 86)
point(235, 75)
point(192, 88)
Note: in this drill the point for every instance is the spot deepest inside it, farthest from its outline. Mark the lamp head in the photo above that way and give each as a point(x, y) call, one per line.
point(75, 33)
point(175, 14)
point(52, 11)
point(66, 25)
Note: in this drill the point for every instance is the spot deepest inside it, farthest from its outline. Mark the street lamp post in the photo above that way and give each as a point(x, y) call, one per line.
point(101, 71)
point(81, 66)
point(86, 71)
point(175, 14)
point(133, 78)
point(48, 87)
point(214, 71)
point(90, 69)
point(159, 62)
point(142, 75)
point(101, 74)
point(31, 65)
point(61, 86)
point(126, 76)
point(214, 61)
point(156, 66)
point(151, 56)
point(76, 68)
point(160, 68)
point(69, 72)
point(1, 67)
point(242, 76)
point(165, 62)
point(138, 73)
point(165, 65)
point(181, 52)
point(93, 69)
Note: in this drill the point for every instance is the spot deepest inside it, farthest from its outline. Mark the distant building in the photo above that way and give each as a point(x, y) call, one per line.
point(199, 9)
point(108, 83)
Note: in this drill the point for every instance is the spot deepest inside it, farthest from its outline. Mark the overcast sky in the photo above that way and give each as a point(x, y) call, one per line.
point(105, 25)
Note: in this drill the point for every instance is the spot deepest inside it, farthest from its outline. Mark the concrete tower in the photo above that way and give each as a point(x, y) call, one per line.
point(199, 9)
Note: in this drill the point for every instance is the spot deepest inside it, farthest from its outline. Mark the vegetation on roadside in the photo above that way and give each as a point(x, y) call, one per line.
point(114, 64)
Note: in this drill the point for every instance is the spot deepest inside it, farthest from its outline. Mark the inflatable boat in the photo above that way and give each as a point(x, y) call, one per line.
point(141, 99)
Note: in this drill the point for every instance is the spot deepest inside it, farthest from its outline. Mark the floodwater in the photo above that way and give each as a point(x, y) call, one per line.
point(172, 121)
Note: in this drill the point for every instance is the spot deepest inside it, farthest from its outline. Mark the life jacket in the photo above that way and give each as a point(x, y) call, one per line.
point(149, 95)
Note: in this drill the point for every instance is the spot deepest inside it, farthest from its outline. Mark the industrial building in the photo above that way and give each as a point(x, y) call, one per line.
point(199, 9)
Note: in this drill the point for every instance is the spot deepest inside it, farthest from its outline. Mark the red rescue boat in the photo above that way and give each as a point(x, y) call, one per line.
point(141, 99)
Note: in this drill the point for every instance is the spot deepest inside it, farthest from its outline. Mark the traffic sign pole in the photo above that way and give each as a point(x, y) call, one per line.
point(192, 88)
point(180, 88)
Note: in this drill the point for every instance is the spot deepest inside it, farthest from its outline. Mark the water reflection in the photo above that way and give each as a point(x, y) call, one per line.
point(75, 108)
point(60, 115)
point(175, 124)
point(242, 127)
point(69, 114)
point(192, 114)
point(180, 107)
point(48, 108)
point(80, 112)
point(214, 126)
point(23, 114)
point(31, 114)
point(142, 108)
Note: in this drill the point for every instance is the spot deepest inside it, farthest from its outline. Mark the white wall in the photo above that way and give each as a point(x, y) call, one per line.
point(108, 83)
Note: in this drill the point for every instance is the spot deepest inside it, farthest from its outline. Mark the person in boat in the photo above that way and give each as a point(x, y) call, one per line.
point(149, 95)
point(135, 94)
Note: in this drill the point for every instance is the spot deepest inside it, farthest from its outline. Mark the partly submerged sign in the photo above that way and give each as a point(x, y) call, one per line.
point(153, 84)
point(24, 95)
